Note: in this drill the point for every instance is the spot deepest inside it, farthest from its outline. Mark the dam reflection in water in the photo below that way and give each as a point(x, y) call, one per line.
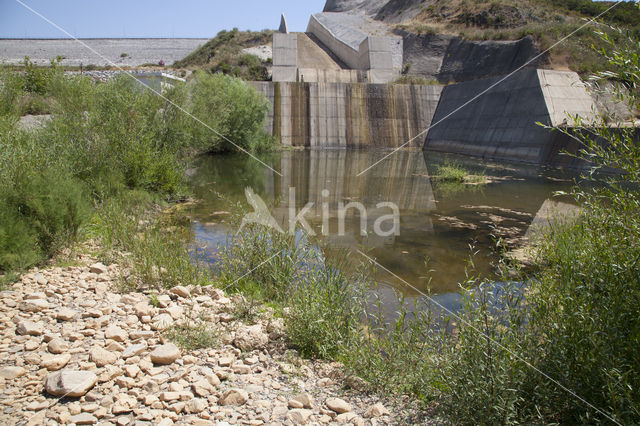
point(439, 221)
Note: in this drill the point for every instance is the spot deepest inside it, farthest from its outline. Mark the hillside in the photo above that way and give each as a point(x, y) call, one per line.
point(547, 21)
point(223, 53)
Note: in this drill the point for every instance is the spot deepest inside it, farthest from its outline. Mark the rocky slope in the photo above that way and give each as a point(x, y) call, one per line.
point(75, 351)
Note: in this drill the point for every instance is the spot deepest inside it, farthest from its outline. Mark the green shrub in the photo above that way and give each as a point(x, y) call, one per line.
point(232, 108)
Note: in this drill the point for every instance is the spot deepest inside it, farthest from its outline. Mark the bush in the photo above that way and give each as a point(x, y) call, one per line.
point(232, 109)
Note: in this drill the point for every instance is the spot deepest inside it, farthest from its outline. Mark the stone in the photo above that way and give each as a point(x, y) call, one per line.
point(143, 309)
point(58, 346)
point(10, 373)
point(66, 314)
point(250, 338)
point(299, 416)
point(70, 383)
point(133, 350)
point(180, 291)
point(98, 268)
point(56, 362)
point(165, 354)
point(114, 332)
point(162, 322)
point(31, 345)
point(169, 396)
point(164, 300)
point(196, 405)
point(132, 371)
point(175, 312)
point(376, 410)
point(294, 404)
point(102, 357)
point(83, 419)
point(305, 399)
point(124, 404)
point(34, 305)
point(234, 397)
point(338, 405)
point(30, 328)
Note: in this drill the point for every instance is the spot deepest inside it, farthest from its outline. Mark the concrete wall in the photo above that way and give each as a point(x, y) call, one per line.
point(285, 57)
point(349, 115)
point(501, 123)
point(358, 49)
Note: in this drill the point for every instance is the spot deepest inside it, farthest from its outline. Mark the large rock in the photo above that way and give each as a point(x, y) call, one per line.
point(250, 338)
point(30, 328)
point(234, 397)
point(165, 354)
point(70, 383)
point(102, 357)
point(338, 405)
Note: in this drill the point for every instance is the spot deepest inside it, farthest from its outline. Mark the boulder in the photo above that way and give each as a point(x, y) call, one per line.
point(70, 383)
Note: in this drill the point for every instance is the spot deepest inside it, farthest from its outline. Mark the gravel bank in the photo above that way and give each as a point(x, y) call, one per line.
point(65, 331)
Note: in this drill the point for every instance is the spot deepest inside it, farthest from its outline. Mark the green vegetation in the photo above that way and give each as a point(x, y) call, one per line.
point(239, 114)
point(223, 53)
point(452, 172)
point(109, 149)
point(192, 335)
point(547, 21)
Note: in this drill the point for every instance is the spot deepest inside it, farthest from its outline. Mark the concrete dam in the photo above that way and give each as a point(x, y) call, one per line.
point(335, 87)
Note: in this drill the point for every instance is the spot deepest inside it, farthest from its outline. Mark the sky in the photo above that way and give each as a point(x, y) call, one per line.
point(149, 18)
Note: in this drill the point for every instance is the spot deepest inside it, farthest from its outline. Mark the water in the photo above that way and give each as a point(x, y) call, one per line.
point(441, 222)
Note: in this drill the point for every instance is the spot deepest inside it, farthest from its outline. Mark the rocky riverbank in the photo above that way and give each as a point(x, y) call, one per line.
point(75, 350)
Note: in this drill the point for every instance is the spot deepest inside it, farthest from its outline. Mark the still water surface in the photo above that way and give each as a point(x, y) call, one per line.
point(441, 222)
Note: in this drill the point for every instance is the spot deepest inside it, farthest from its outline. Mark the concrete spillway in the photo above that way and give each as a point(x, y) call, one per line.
point(497, 117)
point(349, 114)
